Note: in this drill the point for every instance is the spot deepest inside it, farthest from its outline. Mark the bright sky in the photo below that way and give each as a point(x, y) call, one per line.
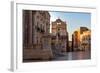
point(74, 20)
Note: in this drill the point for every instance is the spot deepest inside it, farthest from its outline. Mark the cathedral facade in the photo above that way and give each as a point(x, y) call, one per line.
point(59, 36)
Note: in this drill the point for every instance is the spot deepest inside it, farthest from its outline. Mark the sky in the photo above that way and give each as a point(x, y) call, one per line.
point(74, 20)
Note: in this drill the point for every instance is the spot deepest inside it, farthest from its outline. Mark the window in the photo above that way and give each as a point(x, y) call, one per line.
point(38, 17)
point(59, 23)
point(58, 29)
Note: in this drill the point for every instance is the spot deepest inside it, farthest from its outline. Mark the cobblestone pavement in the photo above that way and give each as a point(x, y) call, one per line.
point(79, 55)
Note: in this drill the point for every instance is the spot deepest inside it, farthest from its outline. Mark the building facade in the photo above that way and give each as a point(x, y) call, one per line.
point(59, 36)
point(86, 40)
point(76, 38)
point(36, 35)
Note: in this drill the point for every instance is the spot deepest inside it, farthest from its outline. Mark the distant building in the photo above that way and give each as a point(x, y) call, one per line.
point(36, 36)
point(86, 40)
point(83, 29)
point(59, 35)
point(76, 38)
point(70, 46)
